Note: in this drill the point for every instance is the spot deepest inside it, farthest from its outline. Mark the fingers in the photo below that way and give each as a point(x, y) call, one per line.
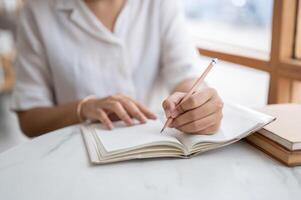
point(210, 130)
point(117, 108)
point(104, 119)
point(170, 103)
point(198, 113)
point(149, 114)
point(133, 110)
point(198, 99)
point(200, 125)
point(125, 108)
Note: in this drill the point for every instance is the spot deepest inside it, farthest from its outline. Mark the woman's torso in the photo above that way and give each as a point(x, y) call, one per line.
point(84, 58)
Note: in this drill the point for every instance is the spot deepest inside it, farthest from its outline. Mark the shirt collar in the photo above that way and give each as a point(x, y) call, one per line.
point(83, 18)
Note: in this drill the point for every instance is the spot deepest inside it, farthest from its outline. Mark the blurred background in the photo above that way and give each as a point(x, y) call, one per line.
point(238, 31)
point(236, 23)
point(10, 134)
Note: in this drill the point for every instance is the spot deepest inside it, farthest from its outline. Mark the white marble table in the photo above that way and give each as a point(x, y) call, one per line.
point(56, 166)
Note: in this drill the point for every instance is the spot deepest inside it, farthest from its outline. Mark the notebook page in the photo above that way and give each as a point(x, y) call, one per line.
point(123, 138)
point(236, 122)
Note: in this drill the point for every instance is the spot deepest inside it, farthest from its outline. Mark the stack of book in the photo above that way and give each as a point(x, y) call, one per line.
point(282, 138)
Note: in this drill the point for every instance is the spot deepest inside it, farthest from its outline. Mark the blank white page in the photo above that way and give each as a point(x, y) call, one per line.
point(236, 122)
point(122, 137)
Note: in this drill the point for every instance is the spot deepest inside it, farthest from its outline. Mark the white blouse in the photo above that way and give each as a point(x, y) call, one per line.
point(65, 53)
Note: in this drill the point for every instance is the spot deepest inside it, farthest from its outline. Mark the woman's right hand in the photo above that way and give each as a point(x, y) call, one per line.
point(113, 108)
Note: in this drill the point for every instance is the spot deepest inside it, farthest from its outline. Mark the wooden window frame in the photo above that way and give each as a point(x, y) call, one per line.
point(281, 65)
point(9, 76)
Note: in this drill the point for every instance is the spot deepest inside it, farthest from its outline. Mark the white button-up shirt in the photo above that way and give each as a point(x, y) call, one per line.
point(65, 53)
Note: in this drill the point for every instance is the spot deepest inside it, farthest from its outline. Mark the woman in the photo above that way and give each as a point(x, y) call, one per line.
point(114, 50)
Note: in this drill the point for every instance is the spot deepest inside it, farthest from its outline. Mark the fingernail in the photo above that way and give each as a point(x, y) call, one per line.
point(144, 119)
point(168, 114)
point(129, 122)
point(175, 113)
point(110, 126)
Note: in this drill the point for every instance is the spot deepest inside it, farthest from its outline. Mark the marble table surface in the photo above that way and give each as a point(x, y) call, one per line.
point(56, 166)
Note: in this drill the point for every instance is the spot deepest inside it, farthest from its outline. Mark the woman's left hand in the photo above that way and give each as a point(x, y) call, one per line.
point(200, 114)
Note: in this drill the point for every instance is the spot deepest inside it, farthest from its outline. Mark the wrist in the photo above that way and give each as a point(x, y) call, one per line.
point(80, 108)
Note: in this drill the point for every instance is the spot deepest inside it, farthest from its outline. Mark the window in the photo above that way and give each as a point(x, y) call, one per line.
point(265, 35)
point(239, 84)
point(235, 26)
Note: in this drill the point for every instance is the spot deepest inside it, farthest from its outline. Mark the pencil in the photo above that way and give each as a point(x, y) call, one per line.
point(192, 90)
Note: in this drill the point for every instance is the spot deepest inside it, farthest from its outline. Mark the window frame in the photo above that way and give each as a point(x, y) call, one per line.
point(282, 66)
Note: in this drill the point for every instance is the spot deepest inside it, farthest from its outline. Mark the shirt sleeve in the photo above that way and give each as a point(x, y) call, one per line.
point(179, 55)
point(33, 78)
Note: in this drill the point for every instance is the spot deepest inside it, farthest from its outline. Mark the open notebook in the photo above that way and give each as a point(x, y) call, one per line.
point(146, 141)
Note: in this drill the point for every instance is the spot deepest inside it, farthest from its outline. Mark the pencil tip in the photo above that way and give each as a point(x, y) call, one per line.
point(214, 60)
